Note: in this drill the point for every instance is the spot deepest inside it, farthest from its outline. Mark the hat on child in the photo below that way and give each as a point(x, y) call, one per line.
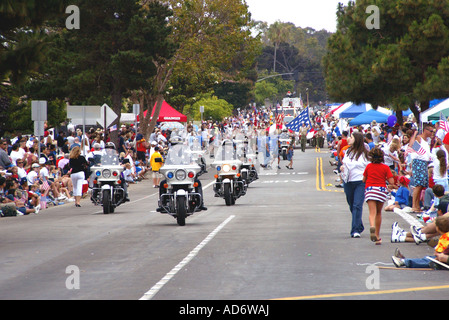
point(403, 180)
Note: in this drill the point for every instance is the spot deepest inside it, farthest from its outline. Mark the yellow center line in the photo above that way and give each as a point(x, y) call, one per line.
point(366, 293)
point(320, 177)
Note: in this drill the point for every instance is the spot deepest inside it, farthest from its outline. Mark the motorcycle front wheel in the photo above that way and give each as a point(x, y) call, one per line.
point(107, 208)
point(181, 210)
point(228, 196)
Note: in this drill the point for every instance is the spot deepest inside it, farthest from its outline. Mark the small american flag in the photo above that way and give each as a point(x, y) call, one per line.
point(45, 185)
point(418, 148)
point(443, 122)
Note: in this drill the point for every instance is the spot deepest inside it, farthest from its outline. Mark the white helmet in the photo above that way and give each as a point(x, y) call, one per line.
point(110, 145)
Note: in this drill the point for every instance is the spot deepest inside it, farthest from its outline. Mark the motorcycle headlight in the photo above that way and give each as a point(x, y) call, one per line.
point(180, 174)
point(170, 175)
point(226, 168)
point(106, 173)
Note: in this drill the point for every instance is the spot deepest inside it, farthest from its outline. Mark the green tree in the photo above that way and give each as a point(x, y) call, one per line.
point(215, 109)
point(214, 38)
point(298, 53)
point(112, 54)
point(23, 37)
point(395, 65)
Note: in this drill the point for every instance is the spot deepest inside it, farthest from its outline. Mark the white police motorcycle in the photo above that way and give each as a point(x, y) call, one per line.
point(284, 142)
point(197, 154)
point(248, 157)
point(229, 183)
point(109, 189)
point(180, 194)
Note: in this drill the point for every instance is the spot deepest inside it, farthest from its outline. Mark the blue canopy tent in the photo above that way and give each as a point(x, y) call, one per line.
point(405, 113)
point(355, 110)
point(368, 117)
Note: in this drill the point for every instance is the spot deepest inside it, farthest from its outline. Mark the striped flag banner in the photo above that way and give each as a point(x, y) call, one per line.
point(418, 148)
point(280, 120)
point(443, 122)
point(45, 185)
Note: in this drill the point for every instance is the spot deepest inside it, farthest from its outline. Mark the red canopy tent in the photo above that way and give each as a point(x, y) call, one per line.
point(167, 114)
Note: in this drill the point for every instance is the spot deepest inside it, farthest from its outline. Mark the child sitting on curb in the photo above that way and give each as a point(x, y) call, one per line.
point(401, 198)
point(442, 225)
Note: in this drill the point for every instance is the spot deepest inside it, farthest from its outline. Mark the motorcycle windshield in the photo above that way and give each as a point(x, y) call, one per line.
point(110, 157)
point(244, 150)
point(226, 152)
point(284, 136)
point(195, 145)
point(179, 155)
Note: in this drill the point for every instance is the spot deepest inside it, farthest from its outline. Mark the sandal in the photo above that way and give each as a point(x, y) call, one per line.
point(378, 242)
point(372, 233)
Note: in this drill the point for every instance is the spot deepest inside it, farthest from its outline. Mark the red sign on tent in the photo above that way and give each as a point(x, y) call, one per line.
point(167, 114)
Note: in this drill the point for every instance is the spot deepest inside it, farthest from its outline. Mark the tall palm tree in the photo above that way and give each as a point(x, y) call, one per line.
point(277, 33)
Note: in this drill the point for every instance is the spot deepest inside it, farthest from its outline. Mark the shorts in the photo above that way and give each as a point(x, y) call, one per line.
point(156, 175)
point(376, 193)
point(420, 173)
point(141, 156)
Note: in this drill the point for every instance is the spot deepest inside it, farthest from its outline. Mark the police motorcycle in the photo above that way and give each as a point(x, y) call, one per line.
point(284, 143)
point(109, 189)
point(197, 154)
point(229, 183)
point(248, 158)
point(180, 194)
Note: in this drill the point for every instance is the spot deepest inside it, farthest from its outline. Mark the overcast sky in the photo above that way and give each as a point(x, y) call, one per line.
point(316, 14)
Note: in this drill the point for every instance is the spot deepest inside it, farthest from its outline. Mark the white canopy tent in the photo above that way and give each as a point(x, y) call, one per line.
point(424, 117)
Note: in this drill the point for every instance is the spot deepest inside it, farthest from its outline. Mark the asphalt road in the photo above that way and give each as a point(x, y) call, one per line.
point(288, 238)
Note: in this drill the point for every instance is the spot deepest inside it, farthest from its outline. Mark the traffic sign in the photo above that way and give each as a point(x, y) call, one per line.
point(82, 115)
point(108, 116)
point(91, 115)
point(39, 110)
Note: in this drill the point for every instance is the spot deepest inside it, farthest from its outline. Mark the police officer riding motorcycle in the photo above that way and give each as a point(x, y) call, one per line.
point(180, 193)
point(108, 186)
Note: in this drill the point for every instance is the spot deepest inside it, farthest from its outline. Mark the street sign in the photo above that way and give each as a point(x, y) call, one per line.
point(39, 110)
point(91, 115)
point(136, 109)
point(84, 115)
point(39, 116)
point(108, 116)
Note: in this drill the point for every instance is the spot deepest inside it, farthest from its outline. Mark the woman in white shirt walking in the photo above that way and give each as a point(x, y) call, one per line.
point(354, 164)
point(440, 165)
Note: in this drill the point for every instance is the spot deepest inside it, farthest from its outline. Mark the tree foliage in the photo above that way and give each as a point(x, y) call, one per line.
point(215, 109)
point(295, 51)
point(215, 46)
point(399, 64)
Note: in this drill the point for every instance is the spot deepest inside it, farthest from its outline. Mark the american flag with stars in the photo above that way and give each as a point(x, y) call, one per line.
point(296, 123)
point(418, 148)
